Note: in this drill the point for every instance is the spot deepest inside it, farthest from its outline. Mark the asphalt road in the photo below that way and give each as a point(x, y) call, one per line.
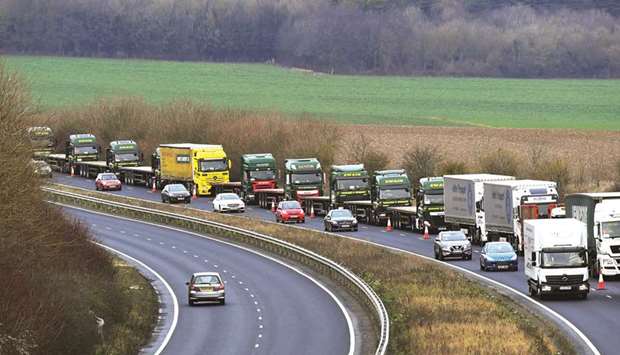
point(598, 317)
point(270, 309)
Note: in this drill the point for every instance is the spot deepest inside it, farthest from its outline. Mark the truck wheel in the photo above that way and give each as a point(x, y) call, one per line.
point(531, 290)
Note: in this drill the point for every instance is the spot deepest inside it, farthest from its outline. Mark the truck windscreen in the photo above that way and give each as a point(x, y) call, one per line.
point(352, 184)
point(390, 194)
point(86, 150)
point(311, 178)
point(610, 229)
point(126, 157)
point(433, 199)
point(263, 175)
point(212, 165)
point(564, 259)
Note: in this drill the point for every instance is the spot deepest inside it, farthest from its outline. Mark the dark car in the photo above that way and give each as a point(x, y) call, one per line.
point(41, 168)
point(175, 193)
point(290, 211)
point(340, 219)
point(498, 256)
point(452, 244)
point(107, 181)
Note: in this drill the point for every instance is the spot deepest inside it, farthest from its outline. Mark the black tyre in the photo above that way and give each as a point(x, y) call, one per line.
point(482, 268)
point(190, 302)
point(223, 302)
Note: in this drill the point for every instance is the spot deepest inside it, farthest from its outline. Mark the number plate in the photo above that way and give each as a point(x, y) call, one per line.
point(206, 289)
point(345, 226)
point(565, 288)
point(501, 267)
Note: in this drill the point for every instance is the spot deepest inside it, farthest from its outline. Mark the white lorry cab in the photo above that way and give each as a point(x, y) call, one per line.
point(601, 213)
point(556, 257)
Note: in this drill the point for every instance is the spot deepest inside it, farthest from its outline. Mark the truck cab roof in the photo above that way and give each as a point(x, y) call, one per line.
point(480, 177)
point(306, 164)
point(348, 168)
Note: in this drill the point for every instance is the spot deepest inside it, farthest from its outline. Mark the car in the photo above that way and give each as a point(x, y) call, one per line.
point(41, 168)
point(206, 287)
point(107, 181)
point(498, 256)
point(175, 193)
point(228, 202)
point(340, 219)
point(452, 244)
point(290, 211)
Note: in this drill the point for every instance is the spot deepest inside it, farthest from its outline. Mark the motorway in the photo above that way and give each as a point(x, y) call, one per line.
point(270, 308)
point(598, 317)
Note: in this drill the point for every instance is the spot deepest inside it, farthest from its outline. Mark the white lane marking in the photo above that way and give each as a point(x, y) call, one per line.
point(260, 326)
point(206, 261)
point(175, 301)
point(324, 288)
point(184, 251)
point(260, 318)
point(256, 345)
point(233, 276)
point(252, 295)
point(136, 235)
point(364, 227)
point(108, 228)
point(258, 310)
point(94, 225)
point(260, 335)
point(195, 256)
point(215, 266)
point(161, 243)
point(149, 239)
point(240, 282)
point(256, 303)
point(123, 232)
point(174, 247)
point(402, 234)
point(476, 251)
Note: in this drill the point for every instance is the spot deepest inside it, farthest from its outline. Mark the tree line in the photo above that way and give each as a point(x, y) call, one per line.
point(508, 38)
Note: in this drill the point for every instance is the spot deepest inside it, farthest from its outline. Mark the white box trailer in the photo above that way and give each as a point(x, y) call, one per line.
point(462, 196)
point(556, 257)
point(506, 204)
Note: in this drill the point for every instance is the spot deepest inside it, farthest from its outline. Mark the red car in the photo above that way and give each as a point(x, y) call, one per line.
point(290, 211)
point(107, 181)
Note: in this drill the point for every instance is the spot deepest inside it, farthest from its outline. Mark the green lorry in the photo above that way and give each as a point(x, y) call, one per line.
point(42, 141)
point(122, 153)
point(258, 172)
point(429, 204)
point(303, 178)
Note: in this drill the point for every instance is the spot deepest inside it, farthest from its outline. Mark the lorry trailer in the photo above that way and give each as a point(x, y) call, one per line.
point(556, 258)
point(601, 214)
point(462, 203)
point(507, 204)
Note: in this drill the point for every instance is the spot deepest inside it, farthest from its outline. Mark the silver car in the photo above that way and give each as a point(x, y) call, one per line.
point(452, 244)
point(206, 286)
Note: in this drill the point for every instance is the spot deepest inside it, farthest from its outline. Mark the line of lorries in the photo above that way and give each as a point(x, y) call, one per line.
point(484, 208)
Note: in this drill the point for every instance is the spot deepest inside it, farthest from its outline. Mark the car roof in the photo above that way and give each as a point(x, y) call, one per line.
point(206, 273)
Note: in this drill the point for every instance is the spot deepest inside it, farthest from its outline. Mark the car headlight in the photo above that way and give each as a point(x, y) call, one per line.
point(489, 258)
point(355, 221)
point(514, 257)
point(334, 222)
point(467, 246)
point(446, 248)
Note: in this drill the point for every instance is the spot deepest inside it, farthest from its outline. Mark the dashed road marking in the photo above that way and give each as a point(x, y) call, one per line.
point(136, 235)
point(161, 243)
point(206, 261)
point(184, 251)
point(123, 232)
point(256, 345)
point(195, 256)
point(108, 228)
point(402, 234)
point(215, 266)
point(174, 247)
point(148, 239)
point(258, 310)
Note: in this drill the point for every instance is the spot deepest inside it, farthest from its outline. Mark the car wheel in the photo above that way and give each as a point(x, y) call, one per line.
point(482, 267)
point(223, 302)
point(440, 256)
point(97, 187)
point(516, 268)
point(190, 302)
point(355, 229)
point(120, 188)
point(436, 255)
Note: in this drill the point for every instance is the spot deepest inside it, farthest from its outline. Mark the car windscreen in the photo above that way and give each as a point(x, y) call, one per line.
point(352, 184)
point(126, 156)
point(389, 194)
point(85, 150)
point(229, 197)
point(306, 178)
point(500, 248)
point(207, 279)
point(611, 229)
point(212, 165)
point(262, 175)
point(341, 214)
point(564, 259)
point(453, 237)
point(291, 205)
point(108, 177)
point(177, 188)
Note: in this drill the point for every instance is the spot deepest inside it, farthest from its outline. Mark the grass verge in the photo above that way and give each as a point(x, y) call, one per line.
point(432, 309)
point(129, 333)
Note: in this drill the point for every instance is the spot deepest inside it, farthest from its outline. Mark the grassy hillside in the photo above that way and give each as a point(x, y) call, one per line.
point(593, 104)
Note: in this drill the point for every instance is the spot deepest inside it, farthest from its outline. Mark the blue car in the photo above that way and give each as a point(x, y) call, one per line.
point(498, 256)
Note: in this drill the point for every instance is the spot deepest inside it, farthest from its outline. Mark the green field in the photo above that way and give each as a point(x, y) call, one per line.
point(593, 104)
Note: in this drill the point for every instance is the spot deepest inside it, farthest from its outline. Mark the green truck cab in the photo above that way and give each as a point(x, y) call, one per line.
point(82, 147)
point(348, 183)
point(429, 204)
point(42, 141)
point(123, 153)
point(258, 172)
point(303, 178)
point(389, 188)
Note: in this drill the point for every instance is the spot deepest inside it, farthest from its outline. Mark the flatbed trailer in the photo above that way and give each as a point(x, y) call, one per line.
point(403, 217)
point(362, 210)
point(137, 175)
point(321, 204)
point(88, 169)
point(57, 162)
point(266, 197)
point(231, 186)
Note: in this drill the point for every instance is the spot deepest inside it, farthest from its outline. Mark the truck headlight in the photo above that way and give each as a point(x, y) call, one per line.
point(609, 262)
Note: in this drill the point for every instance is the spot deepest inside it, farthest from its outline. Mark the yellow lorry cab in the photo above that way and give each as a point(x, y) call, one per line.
point(203, 164)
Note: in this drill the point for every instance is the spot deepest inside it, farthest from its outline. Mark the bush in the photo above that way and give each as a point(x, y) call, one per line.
point(500, 162)
point(364, 152)
point(421, 161)
point(453, 167)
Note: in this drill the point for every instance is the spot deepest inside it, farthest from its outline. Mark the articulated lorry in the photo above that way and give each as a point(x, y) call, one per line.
point(346, 183)
point(123, 153)
point(463, 202)
point(429, 204)
point(258, 172)
point(390, 193)
point(42, 141)
point(556, 258)
point(302, 178)
point(79, 148)
point(601, 214)
point(508, 204)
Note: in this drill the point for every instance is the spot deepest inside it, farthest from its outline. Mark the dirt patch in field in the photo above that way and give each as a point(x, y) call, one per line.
point(592, 154)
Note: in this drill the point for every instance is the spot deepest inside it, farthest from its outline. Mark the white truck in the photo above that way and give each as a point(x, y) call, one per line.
point(556, 257)
point(507, 204)
point(601, 213)
point(462, 202)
